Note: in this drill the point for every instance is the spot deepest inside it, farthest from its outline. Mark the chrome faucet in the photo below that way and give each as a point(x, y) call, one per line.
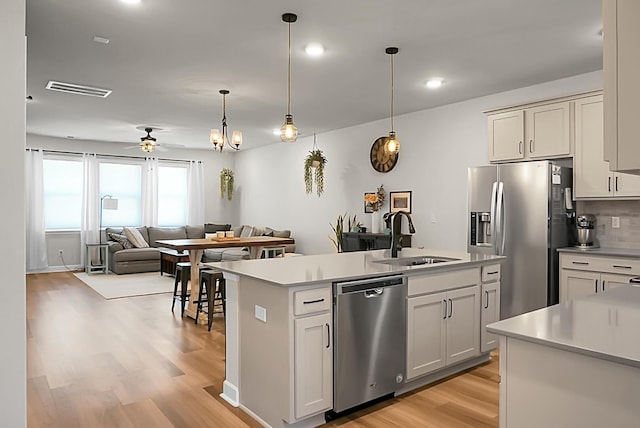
point(394, 221)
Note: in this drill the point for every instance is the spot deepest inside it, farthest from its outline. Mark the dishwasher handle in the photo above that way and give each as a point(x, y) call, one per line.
point(376, 292)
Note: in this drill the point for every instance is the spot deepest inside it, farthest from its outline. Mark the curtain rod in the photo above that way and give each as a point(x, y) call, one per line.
point(62, 152)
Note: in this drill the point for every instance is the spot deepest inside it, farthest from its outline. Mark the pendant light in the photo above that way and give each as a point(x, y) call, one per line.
point(289, 132)
point(148, 143)
point(392, 145)
point(220, 139)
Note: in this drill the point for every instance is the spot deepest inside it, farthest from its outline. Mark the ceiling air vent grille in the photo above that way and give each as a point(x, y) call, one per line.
point(72, 88)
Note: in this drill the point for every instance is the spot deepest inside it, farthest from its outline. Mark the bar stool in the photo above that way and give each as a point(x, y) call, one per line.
point(182, 274)
point(212, 290)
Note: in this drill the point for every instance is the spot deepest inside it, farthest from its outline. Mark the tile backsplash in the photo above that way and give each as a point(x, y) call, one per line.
point(628, 235)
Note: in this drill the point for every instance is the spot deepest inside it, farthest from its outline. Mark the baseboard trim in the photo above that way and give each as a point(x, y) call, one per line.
point(230, 393)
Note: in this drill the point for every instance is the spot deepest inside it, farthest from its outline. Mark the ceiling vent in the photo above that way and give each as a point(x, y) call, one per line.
point(72, 88)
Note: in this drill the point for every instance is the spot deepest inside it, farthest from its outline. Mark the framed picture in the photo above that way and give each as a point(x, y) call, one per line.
point(400, 201)
point(367, 208)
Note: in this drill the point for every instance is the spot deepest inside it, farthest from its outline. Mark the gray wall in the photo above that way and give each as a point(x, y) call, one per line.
point(216, 208)
point(438, 145)
point(13, 407)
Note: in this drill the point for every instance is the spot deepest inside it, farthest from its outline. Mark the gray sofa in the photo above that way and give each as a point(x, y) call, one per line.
point(136, 260)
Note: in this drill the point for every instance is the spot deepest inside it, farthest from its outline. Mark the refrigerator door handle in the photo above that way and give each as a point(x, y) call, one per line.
point(500, 219)
point(492, 227)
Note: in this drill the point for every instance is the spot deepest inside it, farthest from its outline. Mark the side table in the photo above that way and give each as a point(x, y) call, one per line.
point(103, 259)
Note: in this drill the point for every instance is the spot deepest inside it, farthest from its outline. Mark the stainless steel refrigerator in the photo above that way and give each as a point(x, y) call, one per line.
point(522, 211)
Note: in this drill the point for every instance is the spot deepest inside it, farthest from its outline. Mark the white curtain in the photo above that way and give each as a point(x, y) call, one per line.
point(150, 192)
point(36, 251)
point(90, 221)
point(195, 193)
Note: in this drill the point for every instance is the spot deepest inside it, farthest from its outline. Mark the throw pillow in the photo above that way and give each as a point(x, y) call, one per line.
point(246, 231)
point(135, 237)
point(122, 239)
point(270, 233)
point(282, 233)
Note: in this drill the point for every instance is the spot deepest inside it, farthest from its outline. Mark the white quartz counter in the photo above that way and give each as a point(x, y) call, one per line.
point(604, 325)
point(604, 251)
point(292, 271)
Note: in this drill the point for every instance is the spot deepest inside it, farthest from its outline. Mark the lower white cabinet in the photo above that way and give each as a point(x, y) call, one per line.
point(489, 313)
point(443, 329)
point(313, 370)
point(582, 275)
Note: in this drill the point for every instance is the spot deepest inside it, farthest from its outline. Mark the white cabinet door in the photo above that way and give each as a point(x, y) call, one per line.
point(577, 283)
point(626, 185)
point(490, 312)
point(426, 334)
point(313, 370)
point(621, 85)
point(592, 176)
point(463, 328)
point(506, 134)
point(612, 280)
point(547, 131)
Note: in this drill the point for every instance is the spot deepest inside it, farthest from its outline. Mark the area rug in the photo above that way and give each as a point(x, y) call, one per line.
point(134, 284)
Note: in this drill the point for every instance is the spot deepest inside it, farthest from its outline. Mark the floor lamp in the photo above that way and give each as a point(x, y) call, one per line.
point(107, 202)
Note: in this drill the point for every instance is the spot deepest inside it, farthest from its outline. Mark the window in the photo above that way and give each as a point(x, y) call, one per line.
point(62, 194)
point(172, 196)
point(124, 182)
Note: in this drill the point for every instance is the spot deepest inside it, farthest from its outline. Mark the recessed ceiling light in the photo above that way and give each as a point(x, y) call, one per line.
point(314, 49)
point(102, 40)
point(130, 1)
point(434, 83)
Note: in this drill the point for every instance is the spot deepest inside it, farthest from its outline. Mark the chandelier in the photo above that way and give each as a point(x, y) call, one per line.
point(219, 139)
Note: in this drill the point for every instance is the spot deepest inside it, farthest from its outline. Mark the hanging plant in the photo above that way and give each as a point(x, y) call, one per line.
point(314, 169)
point(226, 183)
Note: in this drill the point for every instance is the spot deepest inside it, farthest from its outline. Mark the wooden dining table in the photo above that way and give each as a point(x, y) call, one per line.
point(196, 247)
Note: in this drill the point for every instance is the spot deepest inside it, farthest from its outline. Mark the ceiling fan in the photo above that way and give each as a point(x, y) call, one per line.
point(149, 144)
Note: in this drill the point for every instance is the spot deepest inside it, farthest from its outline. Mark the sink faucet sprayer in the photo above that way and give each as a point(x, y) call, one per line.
point(394, 222)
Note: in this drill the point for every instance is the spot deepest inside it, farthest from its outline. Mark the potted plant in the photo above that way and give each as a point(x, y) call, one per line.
point(226, 183)
point(339, 228)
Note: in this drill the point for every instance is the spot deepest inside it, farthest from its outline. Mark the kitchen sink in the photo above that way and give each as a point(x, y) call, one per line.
point(416, 261)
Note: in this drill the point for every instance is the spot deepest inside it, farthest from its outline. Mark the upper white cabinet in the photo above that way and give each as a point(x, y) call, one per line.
point(621, 63)
point(593, 179)
point(536, 132)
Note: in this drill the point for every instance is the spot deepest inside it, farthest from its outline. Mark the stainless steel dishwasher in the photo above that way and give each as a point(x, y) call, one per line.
point(369, 352)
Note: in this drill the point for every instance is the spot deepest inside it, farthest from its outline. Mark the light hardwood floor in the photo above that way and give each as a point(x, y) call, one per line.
point(130, 362)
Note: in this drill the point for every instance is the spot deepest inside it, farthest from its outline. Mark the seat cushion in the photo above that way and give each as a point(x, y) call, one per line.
point(224, 254)
point(195, 232)
point(136, 254)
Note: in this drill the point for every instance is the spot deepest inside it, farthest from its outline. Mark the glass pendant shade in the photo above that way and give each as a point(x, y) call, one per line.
point(392, 145)
point(288, 132)
point(236, 138)
point(215, 137)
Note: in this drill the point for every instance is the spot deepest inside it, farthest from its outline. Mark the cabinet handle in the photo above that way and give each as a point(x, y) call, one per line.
point(486, 306)
point(617, 184)
point(450, 308)
point(635, 280)
point(621, 267)
point(445, 310)
point(492, 273)
point(519, 147)
point(328, 334)
point(596, 286)
point(603, 282)
point(609, 184)
point(580, 263)
point(530, 146)
point(309, 302)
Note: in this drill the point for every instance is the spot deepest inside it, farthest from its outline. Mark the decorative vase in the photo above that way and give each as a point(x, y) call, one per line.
point(375, 222)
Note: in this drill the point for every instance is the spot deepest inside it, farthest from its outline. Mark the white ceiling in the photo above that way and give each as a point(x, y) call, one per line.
point(167, 59)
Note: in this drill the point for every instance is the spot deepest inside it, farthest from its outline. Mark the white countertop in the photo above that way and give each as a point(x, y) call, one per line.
point(602, 251)
point(292, 271)
point(604, 325)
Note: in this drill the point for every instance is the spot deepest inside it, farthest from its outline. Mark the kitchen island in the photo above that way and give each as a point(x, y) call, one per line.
point(576, 364)
point(280, 325)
